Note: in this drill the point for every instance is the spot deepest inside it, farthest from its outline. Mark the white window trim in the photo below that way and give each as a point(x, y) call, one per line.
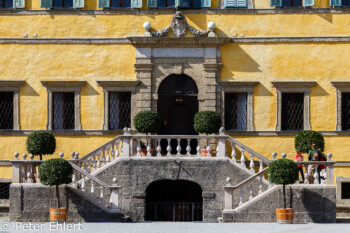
point(341, 87)
point(117, 86)
point(13, 86)
point(239, 87)
point(63, 86)
point(293, 87)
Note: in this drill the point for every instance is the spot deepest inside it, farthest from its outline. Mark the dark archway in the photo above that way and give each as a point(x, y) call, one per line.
point(177, 105)
point(174, 200)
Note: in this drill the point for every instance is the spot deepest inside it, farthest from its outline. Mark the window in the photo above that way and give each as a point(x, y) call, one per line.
point(63, 104)
point(293, 104)
point(120, 3)
point(63, 110)
point(292, 3)
point(62, 4)
point(59, 4)
point(237, 105)
point(292, 111)
point(119, 110)
point(236, 111)
point(119, 103)
point(235, 3)
point(343, 104)
point(345, 190)
point(6, 3)
point(185, 4)
point(6, 110)
point(340, 3)
point(345, 111)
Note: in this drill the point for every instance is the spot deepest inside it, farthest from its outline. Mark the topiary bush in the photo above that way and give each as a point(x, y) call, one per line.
point(147, 122)
point(283, 171)
point(54, 172)
point(41, 143)
point(207, 122)
point(304, 139)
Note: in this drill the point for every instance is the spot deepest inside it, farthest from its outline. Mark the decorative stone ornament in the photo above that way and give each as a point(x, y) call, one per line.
point(147, 26)
point(211, 27)
point(179, 27)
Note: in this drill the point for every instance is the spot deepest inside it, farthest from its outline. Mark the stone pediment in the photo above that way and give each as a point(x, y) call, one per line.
point(191, 42)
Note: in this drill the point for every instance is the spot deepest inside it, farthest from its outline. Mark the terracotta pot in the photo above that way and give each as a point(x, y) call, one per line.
point(285, 216)
point(58, 214)
point(204, 153)
point(144, 152)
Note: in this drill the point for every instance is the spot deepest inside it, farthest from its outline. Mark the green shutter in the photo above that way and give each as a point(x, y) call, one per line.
point(136, 3)
point(276, 2)
point(151, 3)
point(308, 2)
point(178, 3)
point(230, 3)
point(18, 3)
point(206, 3)
point(78, 3)
point(46, 4)
point(103, 3)
point(335, 2)
point(242, 3)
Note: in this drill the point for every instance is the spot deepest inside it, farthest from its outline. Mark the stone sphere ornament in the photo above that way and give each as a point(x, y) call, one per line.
point(146, 26)
point(211, 25)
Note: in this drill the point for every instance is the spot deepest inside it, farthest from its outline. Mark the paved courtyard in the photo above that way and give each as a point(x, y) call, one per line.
point(170, 227)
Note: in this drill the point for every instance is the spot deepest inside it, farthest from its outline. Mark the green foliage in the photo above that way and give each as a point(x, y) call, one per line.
point(283, 171)
point(55, 172)
point(306, 138)
point(147, 122)
point(207, 122)
point(41, 142)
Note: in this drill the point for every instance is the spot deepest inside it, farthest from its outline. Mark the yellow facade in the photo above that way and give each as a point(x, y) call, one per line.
point(242, 61)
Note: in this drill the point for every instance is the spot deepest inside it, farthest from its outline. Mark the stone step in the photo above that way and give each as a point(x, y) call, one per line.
point(343, 220)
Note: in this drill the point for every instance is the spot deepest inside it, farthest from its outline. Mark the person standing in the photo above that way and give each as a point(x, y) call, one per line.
point(298, 158)
point(315, 155)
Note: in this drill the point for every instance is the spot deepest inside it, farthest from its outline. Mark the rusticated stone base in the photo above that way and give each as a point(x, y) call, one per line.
point(31, 203)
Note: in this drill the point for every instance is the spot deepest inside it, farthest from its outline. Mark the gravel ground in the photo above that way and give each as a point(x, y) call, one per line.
point(170, 227)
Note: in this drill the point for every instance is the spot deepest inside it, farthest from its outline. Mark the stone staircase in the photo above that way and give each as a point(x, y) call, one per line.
point(4, 208)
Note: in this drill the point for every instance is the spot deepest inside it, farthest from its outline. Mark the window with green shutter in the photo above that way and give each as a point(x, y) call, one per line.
point(152, 3)
point(46, 4)
point(292, 3)
point(184, 4)
point(18, 4)
point(339, 3)
point(235, 3)
point(120, 3)
point(61, 4)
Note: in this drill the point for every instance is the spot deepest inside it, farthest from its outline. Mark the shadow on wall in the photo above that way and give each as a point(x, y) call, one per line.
point(317, 90)
point(327, 17)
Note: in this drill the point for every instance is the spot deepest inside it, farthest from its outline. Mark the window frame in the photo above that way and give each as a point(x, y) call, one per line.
point(13, 86)
point(239, 87)
point(293, 87)
point(117, 86)
point(63, 86)
point(109, 105)
point(341, 87)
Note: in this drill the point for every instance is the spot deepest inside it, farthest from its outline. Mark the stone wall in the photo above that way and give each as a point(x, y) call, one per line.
point(31, 203)
point(311, 203)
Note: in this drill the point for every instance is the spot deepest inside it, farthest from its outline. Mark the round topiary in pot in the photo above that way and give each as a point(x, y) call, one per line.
point(147, 122)
point(55, 172)
point(207, 122)
point(41, 143)
point(284, 172)
point(304, 139)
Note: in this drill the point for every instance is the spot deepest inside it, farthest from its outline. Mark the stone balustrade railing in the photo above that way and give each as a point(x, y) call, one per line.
point(96, 189)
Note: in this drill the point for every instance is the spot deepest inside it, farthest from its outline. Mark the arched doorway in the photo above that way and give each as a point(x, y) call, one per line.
point(177, 105)
point(174, 200)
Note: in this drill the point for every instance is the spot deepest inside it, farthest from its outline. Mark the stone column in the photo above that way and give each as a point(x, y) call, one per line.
point(143, 68)
point(211, 68)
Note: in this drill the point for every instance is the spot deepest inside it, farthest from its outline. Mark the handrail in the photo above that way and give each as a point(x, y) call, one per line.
point(103, 184)
point(263, 158)
point(250, 178)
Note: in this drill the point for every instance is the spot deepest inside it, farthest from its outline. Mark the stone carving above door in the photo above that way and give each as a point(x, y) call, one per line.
point(179, 27)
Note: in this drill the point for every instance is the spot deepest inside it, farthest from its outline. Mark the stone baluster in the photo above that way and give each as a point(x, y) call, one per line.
point(126, 142)
point(98, 160)
point(108, 158)
point(76, 155)
point(114, 199)
point(261, 176)
point(92, 190)
point(112, 153)
point(16, 170)
point(316, 176)
point(306, 175)
point(88, 164)
point(188, 148)
point(29, 176)
point(168, 148)
point(208, 148)
point(252, 163)
point(94, 168)
point(83, 184)
point(138, 148)
point(159, 149)
point(221, 148)
point(117, 149)
point(103, 160)
point(74, 179)
point(261, 165)
point(251, 192)
point(148, 141)
point(233, 153)
point(178, 148)
point(85, 166)
point(101, 194)
point(329, 170)
point(274, 156)
point(72, 154)
point(240, 198)
point(198, 149)
point(242, 158)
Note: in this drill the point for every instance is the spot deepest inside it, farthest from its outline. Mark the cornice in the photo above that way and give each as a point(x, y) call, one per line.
point(292, 84)
point(131, 83)
point(12, 83)
point(51, 84)
point(340, 84)
point(238, 83)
